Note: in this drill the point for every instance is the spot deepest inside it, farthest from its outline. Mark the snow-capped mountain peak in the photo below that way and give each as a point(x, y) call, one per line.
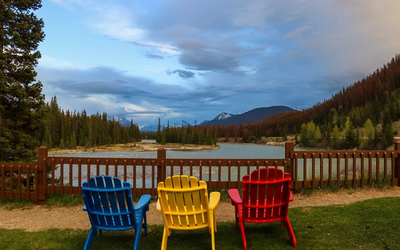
point(223, 116)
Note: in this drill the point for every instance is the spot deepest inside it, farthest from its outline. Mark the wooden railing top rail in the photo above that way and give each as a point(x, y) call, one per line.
point(343, 154)
point(14, 166)
point(163, 162)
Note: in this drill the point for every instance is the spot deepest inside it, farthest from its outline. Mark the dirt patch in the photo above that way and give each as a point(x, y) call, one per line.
point(42, 217)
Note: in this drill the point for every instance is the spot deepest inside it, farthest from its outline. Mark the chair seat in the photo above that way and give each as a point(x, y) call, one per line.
point(264, 210)
point(123, 225)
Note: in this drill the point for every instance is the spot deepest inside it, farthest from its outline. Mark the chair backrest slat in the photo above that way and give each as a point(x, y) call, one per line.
point(253, 194)
point(112, 201)
point(98, 220)
point(197, 202)
point(179, 199)
point(278, 194)
point(188, 201)
point(103, 206)
point(262, 191)
point(245, 195)
point(163, 197)
point(270, 192)
point(172, 203)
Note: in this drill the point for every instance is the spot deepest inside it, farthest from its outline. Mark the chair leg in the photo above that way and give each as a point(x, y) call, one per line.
point(145, 223)
point(89, 240)
point(166, 233)
point(212, 239)
point(289, 230)
point(236, 217)
point(137, 238)
point(243, 235)
point(215, 221)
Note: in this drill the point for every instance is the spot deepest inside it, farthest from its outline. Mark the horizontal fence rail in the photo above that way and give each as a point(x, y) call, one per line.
point(65, 175)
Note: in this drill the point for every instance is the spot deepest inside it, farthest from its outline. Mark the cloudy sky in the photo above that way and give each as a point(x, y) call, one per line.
point(193, 59)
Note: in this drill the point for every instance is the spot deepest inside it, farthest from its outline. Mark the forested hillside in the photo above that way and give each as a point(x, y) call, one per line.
point(64, 129)
point(370, 104)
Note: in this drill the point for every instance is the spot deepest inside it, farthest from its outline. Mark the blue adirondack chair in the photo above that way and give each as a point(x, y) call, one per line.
point(110, 207)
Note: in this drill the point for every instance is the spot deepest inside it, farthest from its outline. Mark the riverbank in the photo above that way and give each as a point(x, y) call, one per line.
point(270, 141)
point(138, 147)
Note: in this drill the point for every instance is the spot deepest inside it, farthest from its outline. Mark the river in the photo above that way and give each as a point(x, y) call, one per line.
point(226, 151)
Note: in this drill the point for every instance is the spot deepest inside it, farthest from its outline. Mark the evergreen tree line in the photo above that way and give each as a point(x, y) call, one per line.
point(202, 135)
point(68, 130)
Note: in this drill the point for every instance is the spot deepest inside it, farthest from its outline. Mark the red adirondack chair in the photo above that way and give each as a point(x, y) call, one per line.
point(265, 198)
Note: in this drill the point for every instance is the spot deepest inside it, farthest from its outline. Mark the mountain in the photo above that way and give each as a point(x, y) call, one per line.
point(122, 120)
point(149, 128)
point(252, 116)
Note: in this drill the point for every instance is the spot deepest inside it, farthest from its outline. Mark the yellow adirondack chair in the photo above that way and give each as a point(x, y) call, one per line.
point(185, 206)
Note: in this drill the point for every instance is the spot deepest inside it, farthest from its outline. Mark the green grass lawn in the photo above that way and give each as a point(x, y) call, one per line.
point(371, 224)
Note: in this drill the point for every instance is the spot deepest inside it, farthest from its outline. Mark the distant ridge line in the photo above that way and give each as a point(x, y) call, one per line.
point(252, 116)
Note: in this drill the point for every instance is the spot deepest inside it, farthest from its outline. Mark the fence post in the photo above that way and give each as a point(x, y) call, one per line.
point(161, 173)
point(396, 164)
point(289, 148)
point(41, 184)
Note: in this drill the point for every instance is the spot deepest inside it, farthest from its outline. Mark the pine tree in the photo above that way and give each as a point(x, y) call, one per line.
point(368, 133)
point(20, 93)
point(387, 130)
point(335, 140)
point(351, 139)
point(303, 135)
point(159, 137)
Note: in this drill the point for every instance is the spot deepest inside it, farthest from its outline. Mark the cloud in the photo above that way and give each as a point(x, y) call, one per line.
point(118, 23)
point(104, 89)
point(154, 56)
point(184, 74)
point(200, 56)
point(297, 34)
point(253, 14)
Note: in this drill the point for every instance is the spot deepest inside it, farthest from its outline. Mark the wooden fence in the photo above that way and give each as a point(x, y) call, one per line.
point(65, 175)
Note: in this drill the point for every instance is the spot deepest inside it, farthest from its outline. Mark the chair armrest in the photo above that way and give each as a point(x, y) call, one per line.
point(214, 200)
point(158, 205)
point(235, 196)
point(143, 202)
